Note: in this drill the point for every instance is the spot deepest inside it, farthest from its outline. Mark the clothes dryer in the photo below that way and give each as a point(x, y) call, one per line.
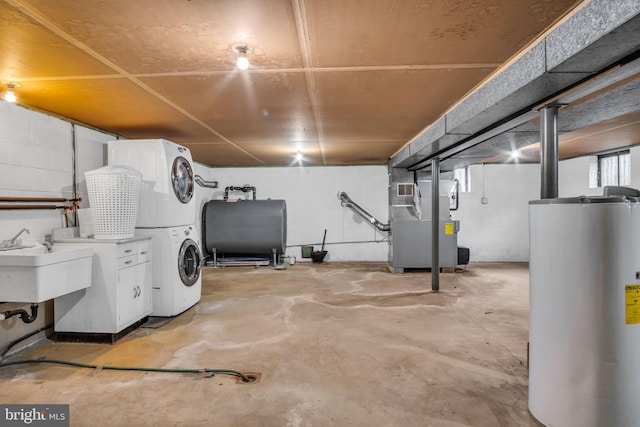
point(167, 194)
point(176, 263)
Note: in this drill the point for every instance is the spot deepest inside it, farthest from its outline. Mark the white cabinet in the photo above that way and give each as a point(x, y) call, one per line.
point(120, 291)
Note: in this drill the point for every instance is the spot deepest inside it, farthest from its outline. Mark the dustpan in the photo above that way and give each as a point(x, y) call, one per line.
point(318, 256)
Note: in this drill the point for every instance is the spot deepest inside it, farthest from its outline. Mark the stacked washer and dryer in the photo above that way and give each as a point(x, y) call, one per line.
point(167, 213)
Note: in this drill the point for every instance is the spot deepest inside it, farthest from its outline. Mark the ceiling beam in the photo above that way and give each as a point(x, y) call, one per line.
point(302, 29)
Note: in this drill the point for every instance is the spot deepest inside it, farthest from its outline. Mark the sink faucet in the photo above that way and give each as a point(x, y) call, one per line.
point(13, 242)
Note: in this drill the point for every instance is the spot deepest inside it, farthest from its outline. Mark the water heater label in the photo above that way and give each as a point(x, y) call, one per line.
point(632, 302)
point(448, 228)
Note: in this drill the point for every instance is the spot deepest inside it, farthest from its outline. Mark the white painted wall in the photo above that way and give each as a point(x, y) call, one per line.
point(91, 154)
point(36, 160)
point(498, 230)
point(635, 167)
point(311, 194)
point(573, 178)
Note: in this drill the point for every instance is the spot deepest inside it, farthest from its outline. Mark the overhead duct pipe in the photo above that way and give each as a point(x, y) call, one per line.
point(346, 202)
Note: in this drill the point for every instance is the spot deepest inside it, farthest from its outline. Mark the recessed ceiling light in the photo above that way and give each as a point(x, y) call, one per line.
point(299, 156)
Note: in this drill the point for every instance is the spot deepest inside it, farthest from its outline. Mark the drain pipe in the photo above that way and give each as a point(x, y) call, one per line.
point(346, 202)
point(74, 159)
point(203, 183)
point(24, 316)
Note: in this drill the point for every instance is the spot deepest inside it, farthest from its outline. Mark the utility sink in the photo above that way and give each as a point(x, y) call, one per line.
point(34, 274)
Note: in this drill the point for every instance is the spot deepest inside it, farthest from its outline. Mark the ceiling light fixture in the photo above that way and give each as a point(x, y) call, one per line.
point(242, 50)
point(299, 156)
point(243, 62)
point(10, 96)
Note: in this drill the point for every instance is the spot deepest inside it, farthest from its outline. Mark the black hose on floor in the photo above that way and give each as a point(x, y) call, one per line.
point(245, 378)
point(13, 343)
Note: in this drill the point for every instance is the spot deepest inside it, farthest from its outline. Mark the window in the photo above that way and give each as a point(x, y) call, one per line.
point(462, 175)
point(405, 189)
point(614, 169)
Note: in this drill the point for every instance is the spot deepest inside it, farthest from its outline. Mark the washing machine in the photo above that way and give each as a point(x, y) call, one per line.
point(167, 194)
point(176, 263)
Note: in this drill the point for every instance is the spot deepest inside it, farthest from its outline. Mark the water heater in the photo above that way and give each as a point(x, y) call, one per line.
point(584, 330)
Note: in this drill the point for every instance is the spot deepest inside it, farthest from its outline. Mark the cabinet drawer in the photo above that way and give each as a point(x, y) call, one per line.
point(144, 251)
point(126, 250)
point(127, 261)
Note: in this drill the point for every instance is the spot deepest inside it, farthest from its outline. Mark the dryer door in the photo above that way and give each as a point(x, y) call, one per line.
point(189, 259)
point(182, 179)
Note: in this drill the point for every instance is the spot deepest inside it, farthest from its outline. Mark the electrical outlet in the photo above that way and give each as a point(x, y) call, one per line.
point(485, 200)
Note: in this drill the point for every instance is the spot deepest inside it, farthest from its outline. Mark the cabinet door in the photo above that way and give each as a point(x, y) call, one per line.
point(128, 296)
point(144, 282)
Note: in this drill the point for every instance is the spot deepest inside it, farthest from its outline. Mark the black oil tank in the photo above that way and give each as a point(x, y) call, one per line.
point(245, 227)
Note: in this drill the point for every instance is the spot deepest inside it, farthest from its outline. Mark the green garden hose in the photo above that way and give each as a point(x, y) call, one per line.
point(245, 378)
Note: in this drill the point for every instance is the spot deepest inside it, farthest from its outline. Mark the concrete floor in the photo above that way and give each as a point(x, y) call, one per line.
point(336, 344)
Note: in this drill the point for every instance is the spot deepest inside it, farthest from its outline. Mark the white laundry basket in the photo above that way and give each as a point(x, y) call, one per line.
point(114, 193)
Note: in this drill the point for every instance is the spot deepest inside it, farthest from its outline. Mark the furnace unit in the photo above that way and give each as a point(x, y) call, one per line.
point(411, 228)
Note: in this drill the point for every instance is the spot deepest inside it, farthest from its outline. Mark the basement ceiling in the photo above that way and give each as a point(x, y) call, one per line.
point(342, 81)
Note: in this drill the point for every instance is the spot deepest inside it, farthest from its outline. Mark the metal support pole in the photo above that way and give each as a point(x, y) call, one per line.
point(435, 224)
point(549, 152)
